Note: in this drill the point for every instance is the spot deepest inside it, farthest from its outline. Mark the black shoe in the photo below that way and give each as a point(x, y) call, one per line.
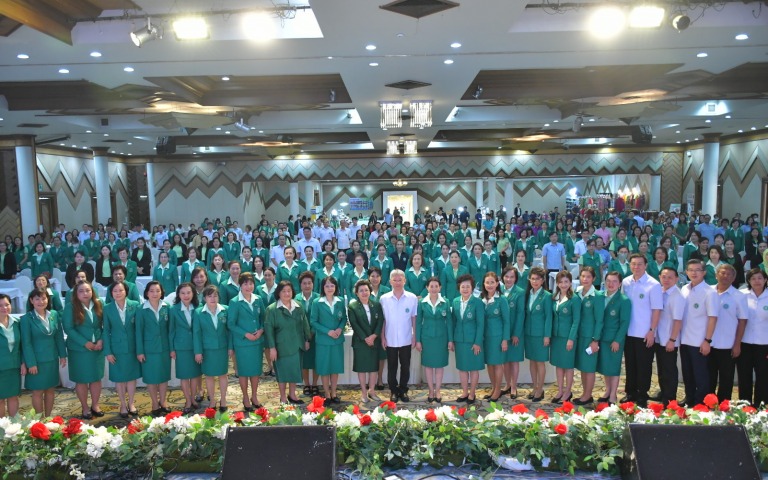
point(580, 402)
point(87, 416)
point(248, 408)
point(656, 397)
point(379, 387)
point(494, 399)
point(537, 399)
point(336, 399)
point(404, 397)
point(556, 400)
point(462, 399)
point(603, 400)
point(315, 390)
point(98, 414)
point(430, 399)
point(393, 397)
point(530, 396)
point(296, 401)
point(223, 408)
point(642, 403)
point(198, 398)
point(470, 401)
point(438, 399)
point(307, 391)
point(513, 396)
point(156, 413)
point(487, 397)
point(124, 415)
point(569, 399)
point(506, 391)
point(165, 410)
point(627, 398)
point(133, 413)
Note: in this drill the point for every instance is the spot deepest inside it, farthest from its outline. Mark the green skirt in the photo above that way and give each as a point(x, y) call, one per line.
point(515, 353)
point(125, 369)
point(186, 366)
point(249, 359)
point(608, 362)
point(535, 349)
point(329, 359)
point(86, 366)
point(559, 356)
point(288, 368)
point(365, 359)
point(492, 350)
point(215, 362)
point(10, 383)
point(434, 351)
point(47, 376)
point(382, 353)
point(466, 360)
point(156, 368)
point(308, 357)
point(585, 363)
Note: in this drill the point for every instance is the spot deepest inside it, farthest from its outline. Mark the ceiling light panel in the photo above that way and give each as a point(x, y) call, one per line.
point(190, 28)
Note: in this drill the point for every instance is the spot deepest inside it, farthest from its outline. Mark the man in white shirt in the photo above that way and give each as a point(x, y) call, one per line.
point(160, 236)
point(668, 334)
point(343, 237)
point(235, 228)
point(209, 232)
point(580, 247)
point(277, 253)
point(307, 241)
point(729, 330)
point(398, 335)
point(701, 310)
point(354, 228)
point(645, 293)
point(325, 233)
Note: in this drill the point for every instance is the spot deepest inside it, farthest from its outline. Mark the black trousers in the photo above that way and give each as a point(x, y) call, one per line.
point(403, 356)
point(638, 363)
point(753, 360)
point(695, 374)
point(722, 368)
point(666, 367)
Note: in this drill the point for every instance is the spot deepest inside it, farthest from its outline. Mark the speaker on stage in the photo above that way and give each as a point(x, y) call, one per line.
point(702, 452)
point(165, 145)
point(288, 452)
point(642, 134)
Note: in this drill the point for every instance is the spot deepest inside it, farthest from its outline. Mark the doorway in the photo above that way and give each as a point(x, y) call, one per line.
point(406, 202)
point(48, 212)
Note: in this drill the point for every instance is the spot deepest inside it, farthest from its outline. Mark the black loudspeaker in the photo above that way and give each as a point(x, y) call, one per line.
point(680, 452)
point(642, 134)
point(289, 452)
point(165, 145)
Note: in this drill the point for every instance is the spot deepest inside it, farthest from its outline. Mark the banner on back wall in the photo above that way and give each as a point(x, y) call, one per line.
point(360, 204)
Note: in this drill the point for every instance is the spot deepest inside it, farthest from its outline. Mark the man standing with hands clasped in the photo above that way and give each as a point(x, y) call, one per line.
point(398, 334)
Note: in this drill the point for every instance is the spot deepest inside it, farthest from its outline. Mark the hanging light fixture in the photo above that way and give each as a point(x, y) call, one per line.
point(145, 34)
point(392, 147)
point(400, 183)
point(411, 147)
point(391, 114)
point(421, 113)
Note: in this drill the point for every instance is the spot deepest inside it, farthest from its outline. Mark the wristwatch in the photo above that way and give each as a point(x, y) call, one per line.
point(708, 340)
point(673, 340)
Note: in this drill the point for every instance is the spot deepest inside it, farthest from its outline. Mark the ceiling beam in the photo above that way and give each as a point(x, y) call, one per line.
point(38, 17)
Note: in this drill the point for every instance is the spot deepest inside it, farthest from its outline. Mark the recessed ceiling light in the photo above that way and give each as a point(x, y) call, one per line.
point(753, 128)
point(686, 140)
point(555, 121)
point(261, 131)
point(128, 69)
point(227, 132)
point(742, 36)
point(455, 45)
point(74, 146)
point(448, 61)
point(106, 134)
point(22, 56)
point(741, 131)
point(702, 54)
point(677, 141)
point(330, 58)
point(88, 131)
point(373, 64)
point(95, 54)
point(1, 119)
point(546, 124)
point(696, 139)
point(61, 144)
point(677, 131)
point(218, 128)
point(225, 79)
point(63, 70)
point(371, 47)
point(400, 35)
point(591, 119)
point(707, 121)
point(130, 143)
point(727, 116)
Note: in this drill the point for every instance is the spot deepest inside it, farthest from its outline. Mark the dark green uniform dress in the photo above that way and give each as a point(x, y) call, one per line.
point(590, 327)
point(352, 278)
point(133, 293)
point(618, 310)
point(41, 264)
point(308, 356)
point(231, 252)
point(42, 346)
point(366, 358)
point(228, 291)
point(432, 324)
point(417, 283)
point(385, 264)
point(654, 269)
point(120, 341)
point(477, 268)
point(324, 317)
point(622, 268)
point(287, 331)
point(321, 274)
point(85, 366)
point(565, 326)
point(153, 341)
point(180, 328)
point(10, 359)
point(168, 276)
point(516, 301)
point(247, 317)
point(211, 338)
point(497, 328)
point(529, 248)
point(448, 277)
point(291, 274)
point(186, 270)
point(467, 330)
point(538, 325)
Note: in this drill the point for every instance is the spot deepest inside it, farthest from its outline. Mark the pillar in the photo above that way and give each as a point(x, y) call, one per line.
point(478, 194)
point(309, 197)
point(320, 195)
point(26, 168)
point(655, 200)
point(709, 178)
point(151, 194)
point(101, 178)
point(293, 195)
point(509, 197)
point(492, 194)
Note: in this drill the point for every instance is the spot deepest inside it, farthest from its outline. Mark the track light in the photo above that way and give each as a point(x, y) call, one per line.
point(145, 34)
point(681, 22)
point(478, 92)
point(241, 125)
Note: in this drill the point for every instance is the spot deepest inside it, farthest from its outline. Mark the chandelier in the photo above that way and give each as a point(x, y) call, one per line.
point(402, 147)
point(391, 114)
point(400, 183)
point(421, 113)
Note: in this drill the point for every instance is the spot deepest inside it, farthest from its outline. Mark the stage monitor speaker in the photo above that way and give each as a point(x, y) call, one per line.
point(642, 134)
point(165, 145)
point(676, 452)
point(288, 452)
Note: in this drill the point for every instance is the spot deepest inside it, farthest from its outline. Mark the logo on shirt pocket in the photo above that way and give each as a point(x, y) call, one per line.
point(612, 312)
point(642, 295)
point(587, 304)
point(726, 306)
point(565, 310)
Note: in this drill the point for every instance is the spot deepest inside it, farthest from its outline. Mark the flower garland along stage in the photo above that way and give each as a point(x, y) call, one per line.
point(569, 439)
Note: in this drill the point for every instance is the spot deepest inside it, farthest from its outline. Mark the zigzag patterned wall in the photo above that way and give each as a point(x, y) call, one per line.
point(671, 180)
point(11, 222)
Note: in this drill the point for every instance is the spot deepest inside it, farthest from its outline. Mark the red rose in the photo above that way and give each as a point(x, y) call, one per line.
point(561, 429)
point(749, 409)
point(519, 408)
point(711, 400)
point(568, 407)
point(559, 410)
point(656, 407)
point(725, 405)
point(388, 406)
point(40, 431)
point(238, 417)
point(541, 414)
point(601, 406)
point(701, 408)
point(673, 405)
point(263, 413)
point(356, 410)
point(365, 420)
point(628, 407)
point(681, 412)
point(172, 415)
point(74, 427)
point(317, 406)
point(210, 413)
point(431, 416)
point(58, 420)
point(462, 411)
point(135, 427)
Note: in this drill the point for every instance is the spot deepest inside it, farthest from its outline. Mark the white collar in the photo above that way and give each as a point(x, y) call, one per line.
point(242, 298)
point(325, 301)
point(231, 282)
point(294, 304)
point(219, 309)
point(440, 299)
point(591, 292)
point(148, 306)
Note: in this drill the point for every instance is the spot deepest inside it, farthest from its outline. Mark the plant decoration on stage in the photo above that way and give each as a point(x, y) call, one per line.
point(567, 440)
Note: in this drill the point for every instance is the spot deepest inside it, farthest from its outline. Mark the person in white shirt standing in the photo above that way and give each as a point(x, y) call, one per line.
point(753, 360)
point(726, 341)
point(701, 310)
point(398, 336)
point(343, 236)
point(668, 334)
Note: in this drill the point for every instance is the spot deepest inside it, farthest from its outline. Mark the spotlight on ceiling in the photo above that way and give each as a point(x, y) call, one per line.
point(478, 92)
point(145, 34)
point(190, 28)
point(680, 22)
point(241, 125)
point(332, 96)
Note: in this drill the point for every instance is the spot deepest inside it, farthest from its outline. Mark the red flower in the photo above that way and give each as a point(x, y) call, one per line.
point(462, 411)
point(656, 407)
point(135, 426)
point(74, 427)
point(317, 406)
point(601, 406)
point(568, 407)
point(365, 420)
point(749, 409)
point(172, 415)
point(356, 410)
point(725, 405)
point(541, 414)
point(263, 413)
point(701, 408)
point(681, 412)
point(628, 407)
point(388, 405)
point(673, 405)
point(559, 410)
point(561, 429)
point(210, 413)
point(40, 431)
point(58, 420)
point(431, 416)
point(519, 408)
point(711, 400)
point(238, 417)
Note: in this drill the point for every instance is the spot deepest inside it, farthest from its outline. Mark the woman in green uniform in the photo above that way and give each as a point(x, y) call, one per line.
point(382, 261)
point(450, 276)
point(465, 336)
point(515, 354)
point(231, 247)
point(377, 289)
point(590, 330)
point(660, 261)
point(432, 320)
point(166, 273)
point(217, 275)
point(416, 276)
point(527, 245)
point(522, 269)
point(358, 272)
point(130, 266)
point(565, 327)
point(328, 318)
point(83, 326)
point(593, 260)
point(216, 248)
point(329, 270)
point(153, 346)
point(190, 264)
point(258, 249)
point(246, 322)
point(182, 350)
point(11, 365)
point(289, 269)
point(621, 262)
point(538, 329)
point(120, 345)
point(497, 332)
point(306, 298)
point(442, 261)
point(287, 332)
point(213, 344)
point(618, 310)
point(40, 260)
point(231, 288)
point(41, 282)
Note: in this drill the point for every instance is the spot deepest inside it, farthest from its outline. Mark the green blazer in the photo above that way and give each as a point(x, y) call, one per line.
point(133, 293)
point(38, 343)
point(246, 318)
point(291, 275)
point(59, 255)
point(470, 327)
point(429, 323)
point(46, 264)
point(655, 271)
point(618, 311)
point(538, 317)
point(497, 321)
point(351, 280)
point(385, 266)
point(382, 290)
point(493, 262)
point(119, 337)
point(592, 316)
point(567, 317)
point(186, 272)
point(449, 288)
point(231, 251)
point(323, 318)
point(179, 330)
point(286, 331)
point(168, 277)
point(218, 279)
point(11, 359)
point(529, 249)
point(90, 330)
point(306, 305)
point(417, 284)
point(320, 275)
point(361, 329)
point(132, 270)
point(152, 335)
point(206, 336)
point(516, 303)
point(615, 266)
point(55, 302)
point(227, 292)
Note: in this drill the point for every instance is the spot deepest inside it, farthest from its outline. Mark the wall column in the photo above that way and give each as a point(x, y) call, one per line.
point(709, 177)
point(26, 168)
point(293, 194)
point(309, 197)
point(320, 195)
point(151, 194)
point(492, 194)
point(478, 195)
point(509, 197)
point(101, 178)
point(655, 200)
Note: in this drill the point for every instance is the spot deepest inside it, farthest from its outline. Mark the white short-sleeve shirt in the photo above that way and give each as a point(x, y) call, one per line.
point(645, 295)
point(701, 302)
point(398, 318)
point(756, 332)
point(674, 309)
point(733, 307)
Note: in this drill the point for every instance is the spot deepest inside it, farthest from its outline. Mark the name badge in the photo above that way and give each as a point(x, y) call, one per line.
point(445, 314)
point(765, 307)
point(496, 311)
point(407, 310)
point(338, 316)
point(511, 304)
